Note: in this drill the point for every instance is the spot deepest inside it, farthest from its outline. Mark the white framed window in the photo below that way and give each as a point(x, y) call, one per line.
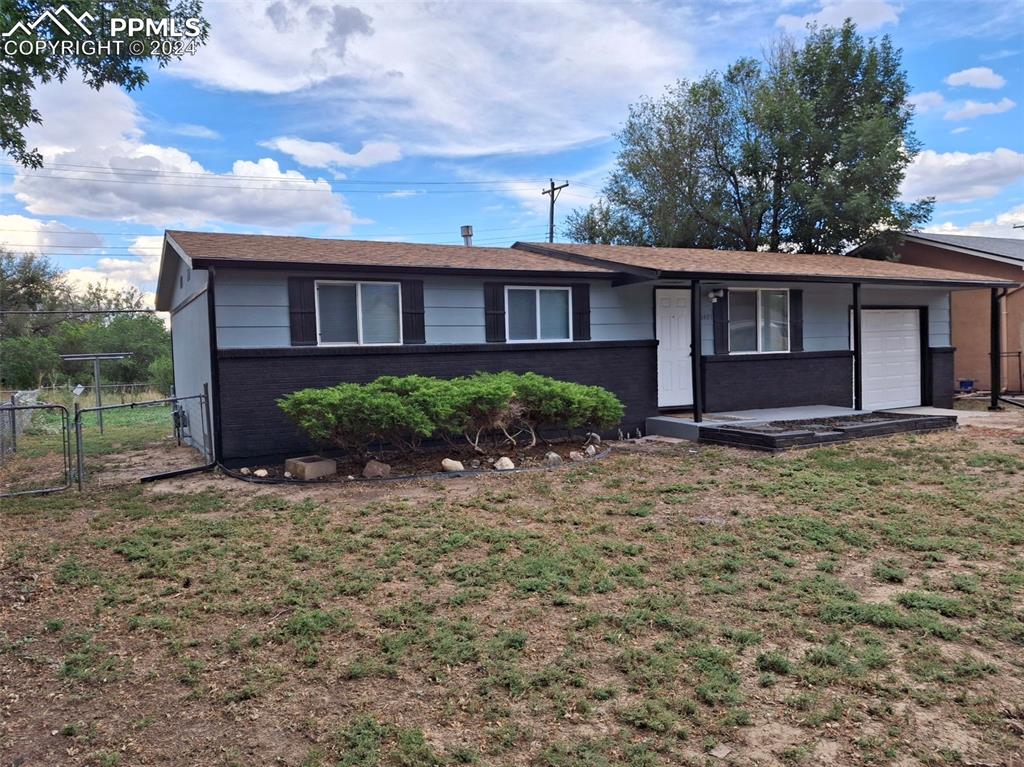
point(358, 313)
point(538, 313)
point(758, 320)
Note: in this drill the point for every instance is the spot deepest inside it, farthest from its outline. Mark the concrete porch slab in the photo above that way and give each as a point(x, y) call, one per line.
point(682, 426)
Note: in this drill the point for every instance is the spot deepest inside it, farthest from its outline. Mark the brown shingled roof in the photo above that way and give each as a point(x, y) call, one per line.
point(266, 249)
point(655, 262)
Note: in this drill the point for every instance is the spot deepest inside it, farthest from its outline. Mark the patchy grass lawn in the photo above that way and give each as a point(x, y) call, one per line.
point(854, 605)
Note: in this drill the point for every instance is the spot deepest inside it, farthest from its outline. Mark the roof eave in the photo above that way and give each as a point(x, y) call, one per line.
point(963, 249)
point(615, 266)
point(306, 266)
point(164, 288)
point(844, 279)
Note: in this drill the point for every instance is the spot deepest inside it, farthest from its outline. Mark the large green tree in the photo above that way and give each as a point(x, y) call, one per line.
point(101, 58)
point(30, 344)
point(803, 151)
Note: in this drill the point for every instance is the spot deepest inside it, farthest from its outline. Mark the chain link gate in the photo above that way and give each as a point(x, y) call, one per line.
point(183, 412)
point(13, 418)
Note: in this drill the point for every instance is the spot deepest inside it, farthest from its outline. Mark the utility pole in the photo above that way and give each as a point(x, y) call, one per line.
point(553, 191)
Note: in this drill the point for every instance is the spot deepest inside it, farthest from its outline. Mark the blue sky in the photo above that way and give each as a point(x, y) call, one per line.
point(406, 120)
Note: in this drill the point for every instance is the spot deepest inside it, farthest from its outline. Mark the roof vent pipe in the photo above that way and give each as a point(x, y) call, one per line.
point(467, 235)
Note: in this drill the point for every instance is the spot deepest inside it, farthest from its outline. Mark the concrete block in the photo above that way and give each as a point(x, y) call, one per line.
point(311, 467)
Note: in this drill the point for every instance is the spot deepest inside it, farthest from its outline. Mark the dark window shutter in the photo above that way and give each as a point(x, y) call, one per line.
point(494, 311)
point(302, 310)
point(796, 320)
point(414, 330)
point(720, 322)
point(581, 312)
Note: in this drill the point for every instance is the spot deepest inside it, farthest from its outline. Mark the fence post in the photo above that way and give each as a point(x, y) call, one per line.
point(207, 425)
point(79, 463)
point(14, 424)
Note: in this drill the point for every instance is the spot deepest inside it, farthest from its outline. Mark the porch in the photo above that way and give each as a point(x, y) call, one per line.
point(784, 428)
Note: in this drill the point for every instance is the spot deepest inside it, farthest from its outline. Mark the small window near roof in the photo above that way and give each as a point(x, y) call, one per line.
point(538, 314)
point(758, 321)
point(367, 313)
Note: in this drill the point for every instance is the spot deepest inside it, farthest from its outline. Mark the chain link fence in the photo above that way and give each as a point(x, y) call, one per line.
point(15, 418)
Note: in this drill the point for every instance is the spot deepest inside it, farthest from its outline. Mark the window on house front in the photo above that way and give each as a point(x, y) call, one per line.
point(537, 314)
point(758, 321)
point(358, 313)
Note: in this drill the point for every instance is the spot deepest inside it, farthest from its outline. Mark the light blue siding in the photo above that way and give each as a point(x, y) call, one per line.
point(623, 313)
point(453, 310)
point(252, 310)
point(936, 299)
point(827, 311)
point(190, 336)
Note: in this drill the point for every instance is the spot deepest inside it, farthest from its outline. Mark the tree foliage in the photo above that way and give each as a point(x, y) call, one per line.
point(32, 343)
point(803, 151)
point(27, 65)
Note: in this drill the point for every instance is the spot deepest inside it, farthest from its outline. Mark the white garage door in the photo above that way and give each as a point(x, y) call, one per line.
point(891, 364)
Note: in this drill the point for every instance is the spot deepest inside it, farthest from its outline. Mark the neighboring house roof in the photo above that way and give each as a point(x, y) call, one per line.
point(652, 263)
point(997, 248)
point(257, 249)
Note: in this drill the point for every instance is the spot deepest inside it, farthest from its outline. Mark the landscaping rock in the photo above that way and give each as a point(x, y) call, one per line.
point(311, 467)
point(504, 464)
point(552, 459)
point(449, 464)
point(594, 438)
point(721, 751)
point(591, 451)
point(261, 473)
point(376, 470)
point(475, 463)
point(244, 471)
point(576, 455)
point(287, 475)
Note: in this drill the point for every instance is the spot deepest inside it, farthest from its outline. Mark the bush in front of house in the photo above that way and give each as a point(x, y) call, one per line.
point(471, 410)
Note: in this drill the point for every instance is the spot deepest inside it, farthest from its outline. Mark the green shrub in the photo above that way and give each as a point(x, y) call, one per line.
point(402, 411)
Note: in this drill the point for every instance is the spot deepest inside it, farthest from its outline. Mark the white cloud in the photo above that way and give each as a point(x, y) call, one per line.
point(1002, 53)
point(927, 101)
point(157, 185)
point(1000, 226)
point(958, 131)
point(453, 79)
point(962, 176)
point(22, 234)
point(868, 14)
point(320, 154)
point(192, 130)
point(971, 109)
point(976, 77)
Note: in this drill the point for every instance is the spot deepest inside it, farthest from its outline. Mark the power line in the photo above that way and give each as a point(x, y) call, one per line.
point(339, 237)
point(77, 311)
point(313, 185)
point(194, 174)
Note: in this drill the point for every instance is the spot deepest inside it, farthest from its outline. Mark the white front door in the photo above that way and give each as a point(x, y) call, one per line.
point(891, 365)
point(672, 328)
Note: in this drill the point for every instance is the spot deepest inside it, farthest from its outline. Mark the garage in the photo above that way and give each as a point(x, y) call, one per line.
point(891, 363)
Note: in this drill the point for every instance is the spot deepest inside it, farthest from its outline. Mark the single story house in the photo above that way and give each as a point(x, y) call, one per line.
point(998, 257)
point(666, 329)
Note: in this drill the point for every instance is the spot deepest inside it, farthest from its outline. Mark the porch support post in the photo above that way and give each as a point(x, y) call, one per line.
point(695, 351)
point(996, 351)
point(858, 383)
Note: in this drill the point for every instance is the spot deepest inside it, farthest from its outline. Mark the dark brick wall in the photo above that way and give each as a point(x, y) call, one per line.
point(251, 380)
point(941, 379)
point(745, 382)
